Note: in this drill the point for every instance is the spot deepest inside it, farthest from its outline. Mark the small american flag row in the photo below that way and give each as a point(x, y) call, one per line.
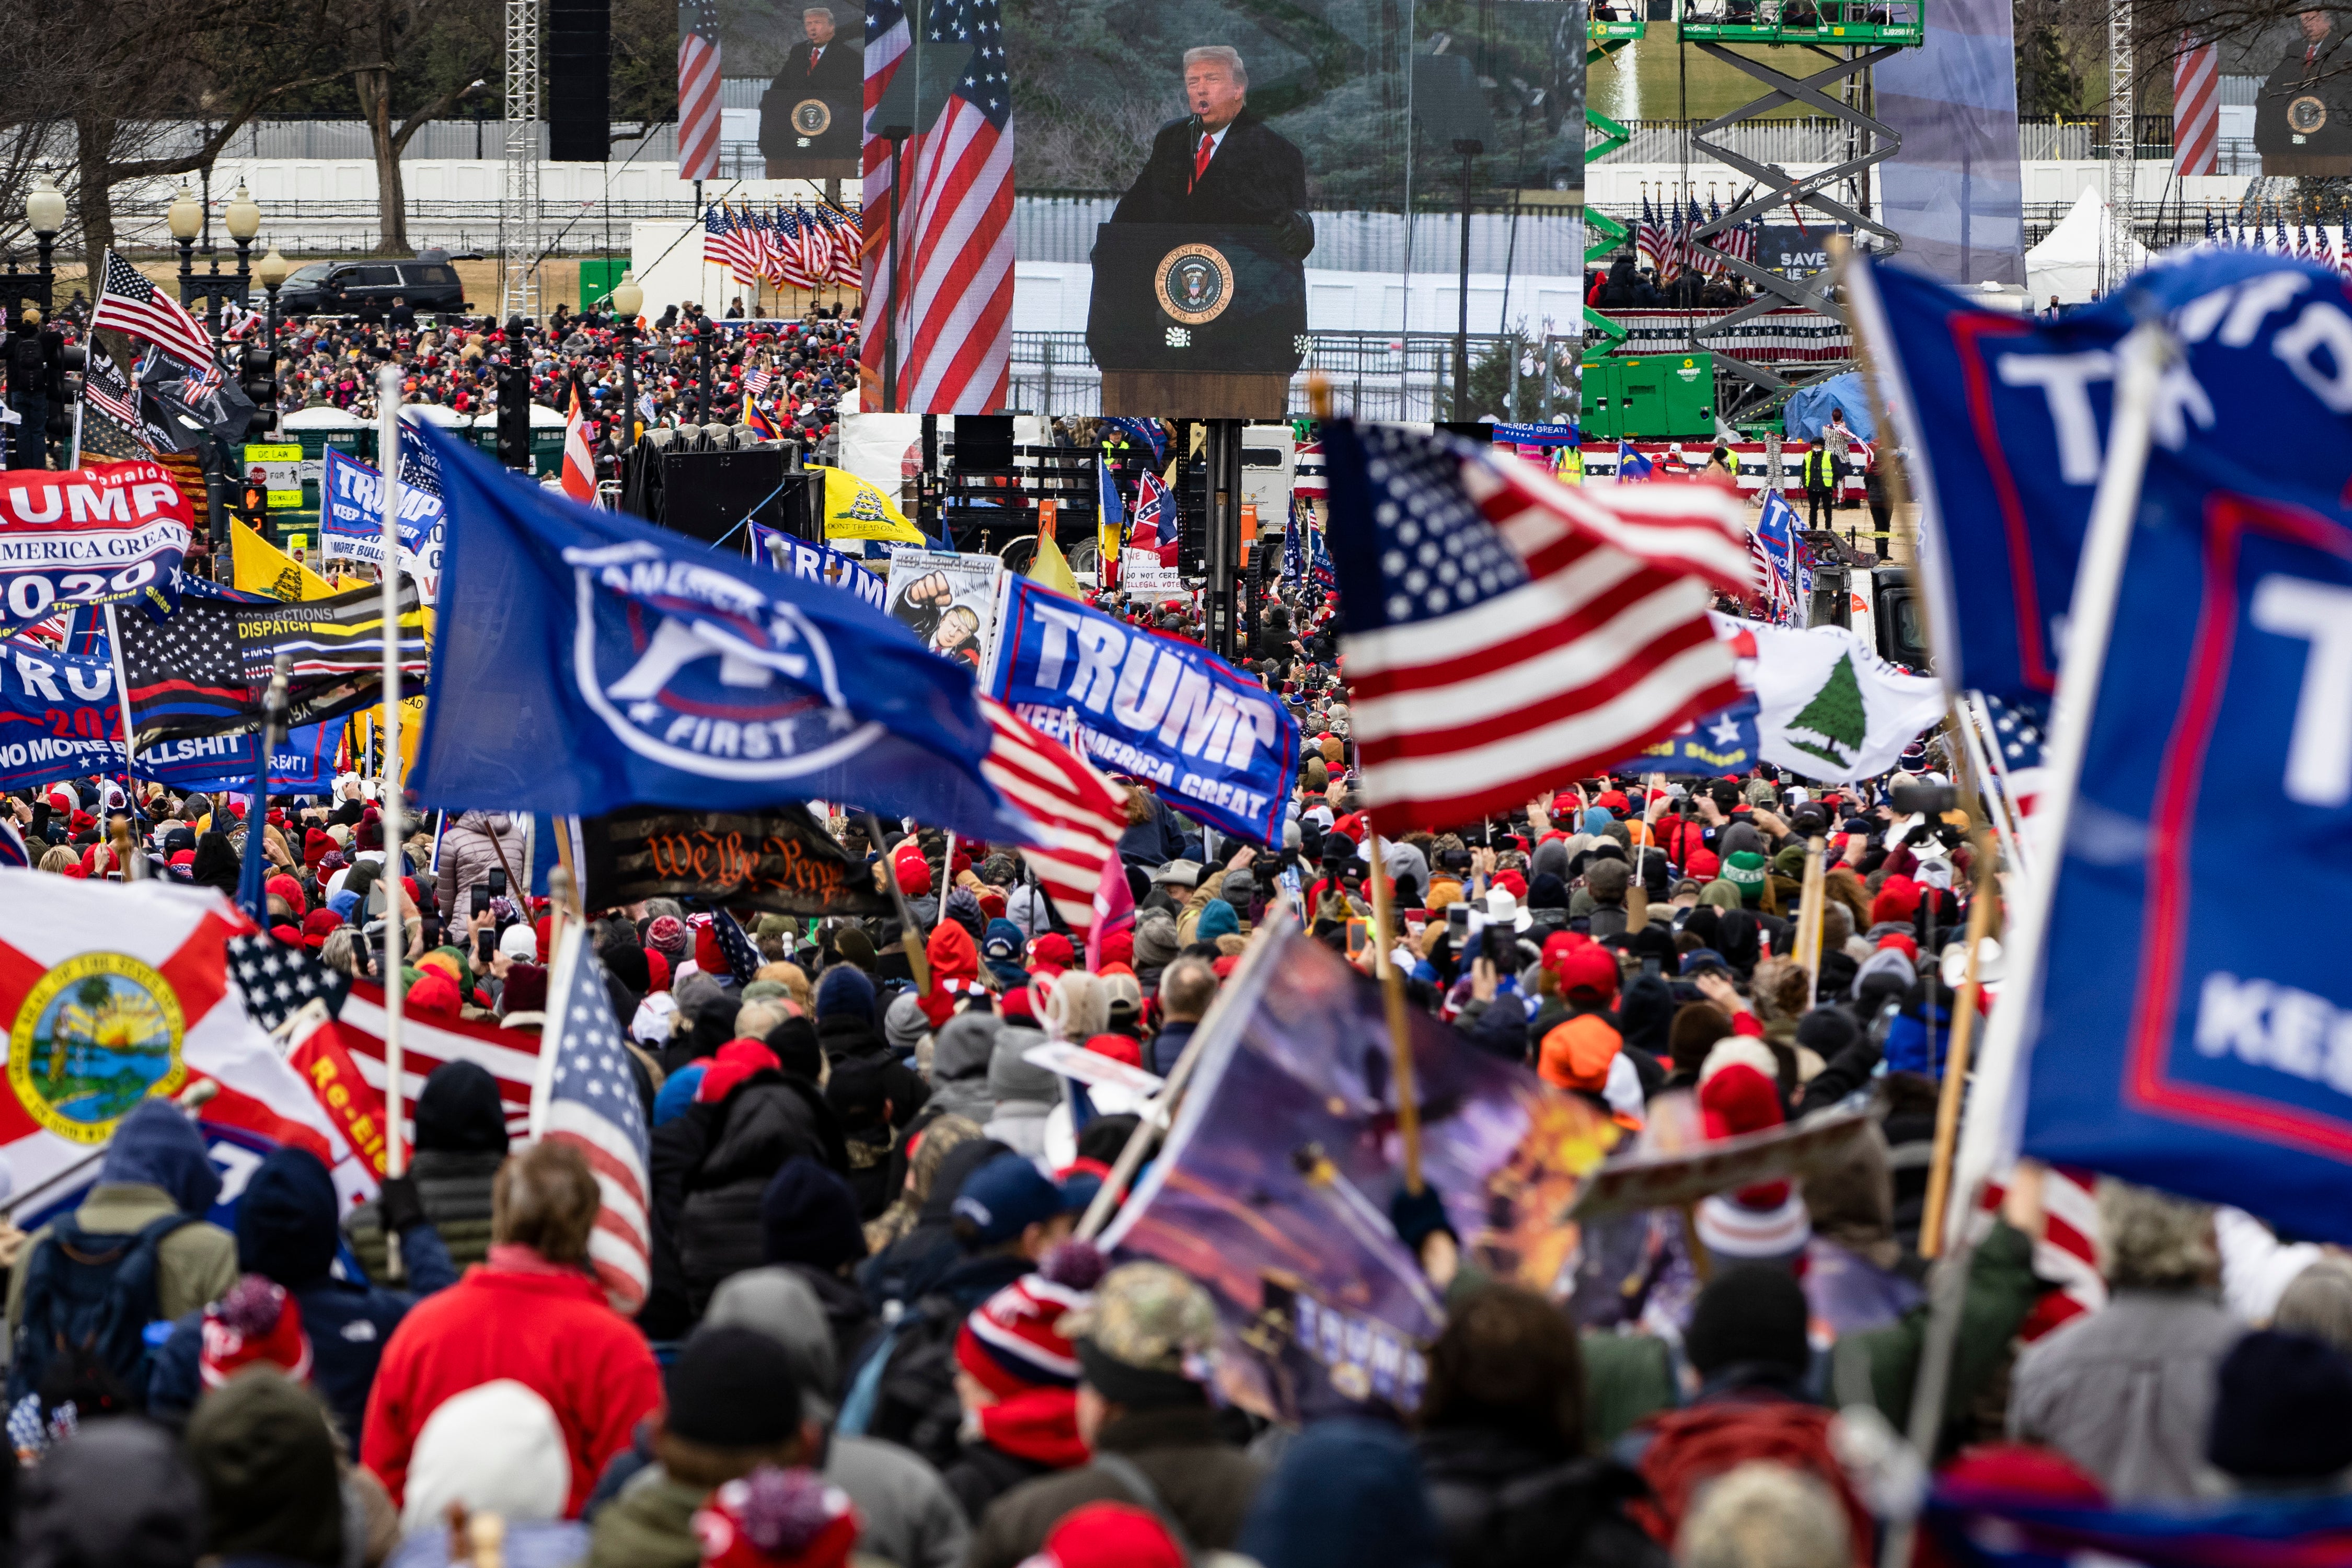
point(128, 302)
point(1080, 815)
point(1502, 632)
point(586, 1096)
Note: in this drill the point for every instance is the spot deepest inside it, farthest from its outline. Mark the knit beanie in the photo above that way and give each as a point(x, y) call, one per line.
point(262, 1450)
point(258, 1323)
point(2278, 1406)
point(733, 1388)
point(844, 989)
point(1751, 1313)
point(1745, 872)
point(809, 1215)
point(777, 1519)
point(1013, 1341)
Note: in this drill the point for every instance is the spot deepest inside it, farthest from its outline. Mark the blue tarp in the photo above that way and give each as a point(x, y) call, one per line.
point(1809, 410)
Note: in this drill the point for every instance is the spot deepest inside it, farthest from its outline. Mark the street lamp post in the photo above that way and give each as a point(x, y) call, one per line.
point(628, 298)
point(187, 218)
point(45, 215)
point(271, 272)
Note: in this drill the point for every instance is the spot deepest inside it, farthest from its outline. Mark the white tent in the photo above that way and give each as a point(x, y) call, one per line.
point(2066, 263)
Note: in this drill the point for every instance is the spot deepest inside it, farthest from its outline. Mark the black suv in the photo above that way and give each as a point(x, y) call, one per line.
point(428, 283)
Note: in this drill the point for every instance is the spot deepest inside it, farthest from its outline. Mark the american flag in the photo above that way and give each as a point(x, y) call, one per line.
point(2196, 108)
point(2014, 731)
point(2066, 1258)
point(698, 90)
point(587, 1097)
point(741, 956)
point(1504, 631)
point(1649, 242)
point(952, 300)
point(2344, 250)
point(756, 381)
point(104, 386)
point(887, 39)
point(1078, 816)
point(279, 980)
point(842, 233)
point(791, 256)
point(719, 245)
point(1773, 548)
point(128, 302)
point(509, 1056)
point(754, 242)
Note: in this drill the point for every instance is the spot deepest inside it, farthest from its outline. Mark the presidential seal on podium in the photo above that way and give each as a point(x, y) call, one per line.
point(1194, 283)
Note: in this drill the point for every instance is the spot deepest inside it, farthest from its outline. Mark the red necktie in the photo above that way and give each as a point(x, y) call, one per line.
point(1201, 157)
point(813, 58)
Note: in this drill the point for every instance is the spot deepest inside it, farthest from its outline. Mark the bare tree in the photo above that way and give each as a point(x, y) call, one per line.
point(388, 39)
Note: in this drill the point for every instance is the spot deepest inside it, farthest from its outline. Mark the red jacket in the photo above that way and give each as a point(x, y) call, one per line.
point(554, 1333)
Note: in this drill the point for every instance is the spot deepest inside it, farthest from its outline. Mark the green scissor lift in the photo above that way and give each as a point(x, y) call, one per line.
point(1602, 40)
point(1853, 37)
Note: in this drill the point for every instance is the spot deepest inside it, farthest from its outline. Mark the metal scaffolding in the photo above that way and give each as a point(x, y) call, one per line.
point(2123, 150)
point(1855, 36)
point(518, 236)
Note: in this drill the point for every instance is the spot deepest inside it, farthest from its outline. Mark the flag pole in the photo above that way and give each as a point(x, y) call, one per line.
point(916, 961)
point(133, 866)
point(1955, 1060)
point(395, 925)
point(1985, 1137)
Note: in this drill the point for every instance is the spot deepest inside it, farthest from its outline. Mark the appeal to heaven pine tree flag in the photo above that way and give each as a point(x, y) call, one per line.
point(1830, 707)
point(855, 510)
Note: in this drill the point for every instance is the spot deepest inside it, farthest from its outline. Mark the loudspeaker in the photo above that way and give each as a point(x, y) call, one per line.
point(707, 494)
point(983, 441)
point(579, 81)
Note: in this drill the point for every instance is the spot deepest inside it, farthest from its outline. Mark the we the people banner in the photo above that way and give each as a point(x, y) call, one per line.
point(779, 860)
point(111, 533)
point(1273, 1189)
point(1217, 744)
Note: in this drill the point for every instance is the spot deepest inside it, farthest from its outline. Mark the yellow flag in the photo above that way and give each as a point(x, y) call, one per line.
point(260, 567)
point(1049, 568)
point(855, 510)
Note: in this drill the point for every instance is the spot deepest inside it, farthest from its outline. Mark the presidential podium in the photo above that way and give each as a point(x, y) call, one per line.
point(1189, 321)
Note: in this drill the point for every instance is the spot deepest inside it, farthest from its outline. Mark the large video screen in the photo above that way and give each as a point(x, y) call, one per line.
point(1132, 206)
point(2302, 111)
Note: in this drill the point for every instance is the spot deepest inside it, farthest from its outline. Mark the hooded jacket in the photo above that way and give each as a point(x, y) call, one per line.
point(1502, 1505)
point(1024, 1093)
point(461, 1140)
point(286, 1230)
point(155, 1167)
point(960, 1055)
point(477, 843)
point(712, 1164)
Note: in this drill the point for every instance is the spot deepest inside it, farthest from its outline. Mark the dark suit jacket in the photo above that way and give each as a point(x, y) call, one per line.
point(1256, 176)
point(2293, 78)
point(839, 79)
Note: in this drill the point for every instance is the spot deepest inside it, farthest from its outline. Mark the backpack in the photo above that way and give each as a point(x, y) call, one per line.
point(904, 1392)
point(88, 1299)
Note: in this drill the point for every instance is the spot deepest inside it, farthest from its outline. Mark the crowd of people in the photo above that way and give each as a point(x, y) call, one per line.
point(875, 1332)
point(794, 372)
